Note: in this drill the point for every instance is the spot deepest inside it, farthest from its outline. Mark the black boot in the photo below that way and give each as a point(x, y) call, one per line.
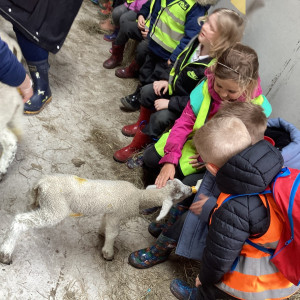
point(42, 93)
point(132, 101)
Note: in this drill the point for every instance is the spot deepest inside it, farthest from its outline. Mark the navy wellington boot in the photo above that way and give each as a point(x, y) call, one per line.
point(42, 93)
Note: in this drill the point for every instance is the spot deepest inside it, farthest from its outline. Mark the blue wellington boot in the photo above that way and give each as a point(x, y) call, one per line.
point(111, 37)
point(181, 290)
point(42, 93)
point(151, 256)
point(176, 211)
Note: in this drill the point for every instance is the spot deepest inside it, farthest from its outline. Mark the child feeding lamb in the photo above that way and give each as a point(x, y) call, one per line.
point(59, 196)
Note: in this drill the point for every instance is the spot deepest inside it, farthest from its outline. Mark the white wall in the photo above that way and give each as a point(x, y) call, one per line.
point(273, 31)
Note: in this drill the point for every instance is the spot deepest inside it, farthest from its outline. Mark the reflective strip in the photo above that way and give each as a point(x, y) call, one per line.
point(166, 37)
point(255, 266)
point(159, 42)
point(185, 51)
point(272, 245)
point(276, 293)
point(175, 18)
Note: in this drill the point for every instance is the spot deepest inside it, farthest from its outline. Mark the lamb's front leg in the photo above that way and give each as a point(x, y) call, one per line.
point(22, 222)
point(112, 227)
point(8, 141)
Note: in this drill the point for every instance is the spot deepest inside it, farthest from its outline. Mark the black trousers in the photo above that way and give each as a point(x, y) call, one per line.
point(154, 68)
point(128, 29)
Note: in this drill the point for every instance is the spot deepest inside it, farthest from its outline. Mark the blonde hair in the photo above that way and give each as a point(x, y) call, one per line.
point(230, 27)
point(240, 64)
point(252, 115)
point(220, 139)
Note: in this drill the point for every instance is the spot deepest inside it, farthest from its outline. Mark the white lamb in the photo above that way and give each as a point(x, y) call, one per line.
point(10, 114)
point(61, 195)
point(10, 125)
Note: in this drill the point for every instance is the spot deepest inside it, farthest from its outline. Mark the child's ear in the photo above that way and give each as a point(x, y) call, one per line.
point(213, 169)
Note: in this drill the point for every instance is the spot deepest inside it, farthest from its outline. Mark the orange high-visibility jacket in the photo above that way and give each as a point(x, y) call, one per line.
point(255, 277)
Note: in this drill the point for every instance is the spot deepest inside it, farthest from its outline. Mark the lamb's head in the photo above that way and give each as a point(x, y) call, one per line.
point(176, 192)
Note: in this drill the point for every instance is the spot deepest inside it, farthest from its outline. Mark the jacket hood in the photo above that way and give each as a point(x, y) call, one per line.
point(250, 171)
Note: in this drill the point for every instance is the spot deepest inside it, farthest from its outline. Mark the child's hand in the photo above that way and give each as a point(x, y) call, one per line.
point(167, 172)
point(141, 23)
point(161, 104)
point(196, 207)
point(26, 89)
point(195, 163)
point(144, 33)
point(160, 85)
point(197, 282)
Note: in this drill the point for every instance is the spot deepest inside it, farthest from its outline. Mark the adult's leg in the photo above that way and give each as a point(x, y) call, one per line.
point(37, 61)
point(30, 50)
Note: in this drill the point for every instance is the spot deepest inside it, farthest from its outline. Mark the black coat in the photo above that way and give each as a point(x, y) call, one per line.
point(184, 83)
point(250, 171)
point(44, 22)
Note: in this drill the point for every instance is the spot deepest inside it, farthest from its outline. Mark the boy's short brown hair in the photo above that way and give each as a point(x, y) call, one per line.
point(220, 139)
point(252, 115)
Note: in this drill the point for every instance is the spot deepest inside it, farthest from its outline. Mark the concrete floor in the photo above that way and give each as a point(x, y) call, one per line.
point(77, 133)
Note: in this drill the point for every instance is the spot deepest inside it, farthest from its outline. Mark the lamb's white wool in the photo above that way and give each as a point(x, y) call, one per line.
point(11, 112)
point(61, 195)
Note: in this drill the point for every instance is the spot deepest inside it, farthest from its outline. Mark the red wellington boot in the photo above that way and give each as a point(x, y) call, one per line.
point(116, 57)
point(132, 71)
point(139, 141)
point(144, 117)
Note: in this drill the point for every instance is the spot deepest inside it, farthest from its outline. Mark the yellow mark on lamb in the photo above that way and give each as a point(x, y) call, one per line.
point(76, 215)
point(80, 180)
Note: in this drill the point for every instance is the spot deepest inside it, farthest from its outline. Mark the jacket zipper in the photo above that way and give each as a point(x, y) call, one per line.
point(32, 35)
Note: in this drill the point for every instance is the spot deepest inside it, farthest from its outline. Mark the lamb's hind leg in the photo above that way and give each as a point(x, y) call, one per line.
point(112, 226)
point(22, 222)
point(8, 141)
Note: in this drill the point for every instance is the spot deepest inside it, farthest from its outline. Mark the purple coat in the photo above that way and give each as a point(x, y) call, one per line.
point(135, 5)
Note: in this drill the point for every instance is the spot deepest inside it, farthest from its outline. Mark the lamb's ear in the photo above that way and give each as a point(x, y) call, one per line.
point(166, 206)
point(151, 187)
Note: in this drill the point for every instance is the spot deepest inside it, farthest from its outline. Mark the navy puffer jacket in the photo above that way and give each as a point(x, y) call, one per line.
point(44, 22)
point(250, 171)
